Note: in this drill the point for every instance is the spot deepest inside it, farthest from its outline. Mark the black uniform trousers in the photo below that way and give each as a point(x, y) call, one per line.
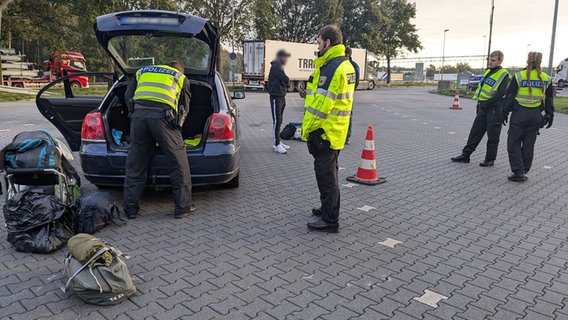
point(277, 105)
point(325, 166)
point(488, 121)
point(148, 127)
point(523, 129)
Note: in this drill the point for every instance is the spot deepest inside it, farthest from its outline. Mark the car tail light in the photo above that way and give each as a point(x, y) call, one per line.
point(246, 82)
point(220, 128)
point(92, 128)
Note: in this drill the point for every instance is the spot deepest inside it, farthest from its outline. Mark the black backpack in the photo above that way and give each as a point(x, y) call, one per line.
point(288, 132)
point(95, 211)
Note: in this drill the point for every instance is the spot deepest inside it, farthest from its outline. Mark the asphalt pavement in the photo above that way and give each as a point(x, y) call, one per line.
point(438, 240)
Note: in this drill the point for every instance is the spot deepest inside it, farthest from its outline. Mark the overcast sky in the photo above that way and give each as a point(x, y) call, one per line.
point(517, 23)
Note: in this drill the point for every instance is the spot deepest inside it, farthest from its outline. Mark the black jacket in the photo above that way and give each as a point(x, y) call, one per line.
point(277, 80)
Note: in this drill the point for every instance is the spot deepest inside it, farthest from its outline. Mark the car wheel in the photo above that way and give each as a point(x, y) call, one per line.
point(300, 86)
point(233, 184)
point(290, 86)
point(371, 85)
point(561, 83)
point(75, 85)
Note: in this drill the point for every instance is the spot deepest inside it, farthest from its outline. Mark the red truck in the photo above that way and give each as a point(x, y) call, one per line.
point(22, 74)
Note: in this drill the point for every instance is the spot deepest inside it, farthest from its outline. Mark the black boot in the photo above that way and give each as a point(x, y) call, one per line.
point(323, 226)
point(186, 212)
point(517, 178)
point(486, 163)
point(462, 158)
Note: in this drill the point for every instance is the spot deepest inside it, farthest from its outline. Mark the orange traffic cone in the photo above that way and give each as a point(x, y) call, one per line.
point(456, 105)
point(367, 172)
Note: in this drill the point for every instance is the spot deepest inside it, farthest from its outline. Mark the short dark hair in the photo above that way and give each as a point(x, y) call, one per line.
point(332, 33)
point(176, 64)
point(348, 50)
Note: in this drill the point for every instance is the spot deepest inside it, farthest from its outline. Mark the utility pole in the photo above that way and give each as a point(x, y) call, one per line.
point(490, 28)
point(551, 59)
point(443, 55)
point(485, 60)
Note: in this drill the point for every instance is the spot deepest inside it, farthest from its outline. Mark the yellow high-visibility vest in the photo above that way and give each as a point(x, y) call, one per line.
point(329, 97)
point(489, 84)
point(160, 83)
point(524, 97)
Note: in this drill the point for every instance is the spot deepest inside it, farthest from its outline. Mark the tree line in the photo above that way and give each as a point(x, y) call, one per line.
point(40, 27)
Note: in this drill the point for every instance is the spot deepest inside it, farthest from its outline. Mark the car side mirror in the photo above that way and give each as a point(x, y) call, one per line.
point(238, 94)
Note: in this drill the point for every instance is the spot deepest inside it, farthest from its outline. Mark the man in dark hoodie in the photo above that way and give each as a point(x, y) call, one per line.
point(277, 86)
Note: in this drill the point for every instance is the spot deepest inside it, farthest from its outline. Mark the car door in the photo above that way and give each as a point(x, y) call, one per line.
point(65, 107)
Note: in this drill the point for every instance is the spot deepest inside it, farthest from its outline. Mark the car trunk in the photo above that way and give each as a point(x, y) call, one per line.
point(194, 131)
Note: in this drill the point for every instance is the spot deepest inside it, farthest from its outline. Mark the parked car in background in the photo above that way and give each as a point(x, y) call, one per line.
point(99, 127)
point(473, 82)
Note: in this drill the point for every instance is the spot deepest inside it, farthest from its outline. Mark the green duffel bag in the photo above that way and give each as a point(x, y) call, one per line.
point(96, 272)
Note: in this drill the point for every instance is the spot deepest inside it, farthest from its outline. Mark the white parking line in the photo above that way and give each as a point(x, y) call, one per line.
point(437, 127)
point(547, 167)
point(414, 119)
point(451, 132)
point(340, 168)
point(349, 185)
point(430, 298)
point(390, 242)
point(366, 208)
point(424, 122)
point(4, 130)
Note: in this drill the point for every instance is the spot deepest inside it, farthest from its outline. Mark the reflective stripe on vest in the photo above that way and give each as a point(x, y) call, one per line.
point(489, 84)
point(161, 83)
point(538, 88)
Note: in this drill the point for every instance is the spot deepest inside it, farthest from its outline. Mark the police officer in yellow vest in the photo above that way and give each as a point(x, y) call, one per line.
point(158, 101)
point(529, 96)
point(329, 99)
point(490, 93)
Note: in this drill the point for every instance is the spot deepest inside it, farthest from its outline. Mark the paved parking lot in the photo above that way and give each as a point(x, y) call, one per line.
point(439, 240)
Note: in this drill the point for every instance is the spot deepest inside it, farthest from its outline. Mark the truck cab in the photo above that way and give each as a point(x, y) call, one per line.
point(61, 64)
point(561, 77)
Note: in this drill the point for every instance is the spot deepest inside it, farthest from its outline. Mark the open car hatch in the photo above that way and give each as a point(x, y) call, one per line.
point(135, 39)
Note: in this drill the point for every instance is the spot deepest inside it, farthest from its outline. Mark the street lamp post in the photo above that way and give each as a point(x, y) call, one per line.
point(551, 56)
point(443, 55)
point(490, 28)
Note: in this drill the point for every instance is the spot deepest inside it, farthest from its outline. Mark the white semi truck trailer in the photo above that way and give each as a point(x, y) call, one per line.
point(257, 56)
point(561, 77)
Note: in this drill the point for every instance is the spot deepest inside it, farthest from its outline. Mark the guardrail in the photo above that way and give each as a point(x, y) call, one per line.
point(9, 89)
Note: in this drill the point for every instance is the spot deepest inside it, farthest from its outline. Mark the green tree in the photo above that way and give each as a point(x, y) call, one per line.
point(396, 32)
point(430, 71)
point(264, 19)
point(220, 14)
point(295, 20)
point(463, 67)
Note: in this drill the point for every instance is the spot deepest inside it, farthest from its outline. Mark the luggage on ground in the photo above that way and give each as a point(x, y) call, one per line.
point(288, 132)
point(96, 271)
point(95, 211)
point(37, 222)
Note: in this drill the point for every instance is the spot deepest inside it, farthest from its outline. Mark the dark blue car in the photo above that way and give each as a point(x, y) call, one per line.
point(99, 127)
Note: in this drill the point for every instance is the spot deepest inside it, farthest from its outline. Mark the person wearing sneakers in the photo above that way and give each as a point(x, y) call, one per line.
point(277, 86)
point(490, 93)
point(529, 96)
point(328, 103)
